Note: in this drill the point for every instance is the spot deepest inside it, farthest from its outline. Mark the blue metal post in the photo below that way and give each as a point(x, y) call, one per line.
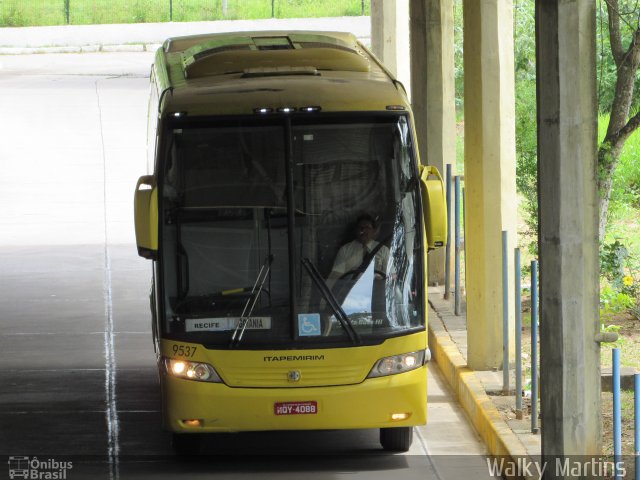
point(518, 301)
point(457, 260)
point(636, 413)
point(505, 312)
point(534, 347)
point(447, 258)
point(617, 420)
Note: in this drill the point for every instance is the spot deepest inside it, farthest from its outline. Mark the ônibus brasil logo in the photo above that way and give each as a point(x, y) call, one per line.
point(33, 468)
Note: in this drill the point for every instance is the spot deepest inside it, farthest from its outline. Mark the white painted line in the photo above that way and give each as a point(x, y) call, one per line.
point(70, 412)
point(34, 370)
point(49, 412)
point(113, 427)
point(423, 443)
point(66, 334)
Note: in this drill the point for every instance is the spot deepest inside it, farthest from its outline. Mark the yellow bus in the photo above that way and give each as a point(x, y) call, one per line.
point(288, 221)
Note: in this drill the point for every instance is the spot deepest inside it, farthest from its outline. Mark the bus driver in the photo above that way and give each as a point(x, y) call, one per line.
point(355, 256)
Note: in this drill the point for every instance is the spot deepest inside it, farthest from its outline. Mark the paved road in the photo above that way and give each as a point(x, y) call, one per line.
point(77, 372)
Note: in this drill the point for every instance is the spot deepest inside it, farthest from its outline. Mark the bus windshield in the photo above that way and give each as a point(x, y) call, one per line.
point(290, 232)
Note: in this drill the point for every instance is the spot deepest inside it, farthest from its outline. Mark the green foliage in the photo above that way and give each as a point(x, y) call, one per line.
point(618, 265)
point(625, 196)
point(620, 295)
point(12, 17)
point(525, 40)
point(527, 160)
point(606, 67)
point(39, 12)
point(619, 287)
point(526, 122)
point(607, 70)
point(458, 54)
point(613, 258)
point(139, 11)
point(613, 301)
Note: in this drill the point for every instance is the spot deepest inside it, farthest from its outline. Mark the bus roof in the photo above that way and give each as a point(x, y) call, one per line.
point(239, 73)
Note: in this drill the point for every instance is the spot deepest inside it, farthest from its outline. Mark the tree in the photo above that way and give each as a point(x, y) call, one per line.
point(620, 125)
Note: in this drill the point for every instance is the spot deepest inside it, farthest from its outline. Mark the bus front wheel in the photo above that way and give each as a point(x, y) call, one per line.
point(186, 444)
point(396, 439)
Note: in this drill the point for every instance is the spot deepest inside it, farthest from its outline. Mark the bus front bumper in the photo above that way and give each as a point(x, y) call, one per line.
point(392, 401)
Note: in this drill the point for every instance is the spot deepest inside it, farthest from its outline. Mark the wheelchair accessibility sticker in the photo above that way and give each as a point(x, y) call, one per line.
point(309, 324)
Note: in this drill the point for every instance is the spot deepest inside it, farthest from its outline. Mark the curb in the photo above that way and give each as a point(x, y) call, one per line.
point(501, 441)
point(148, 47)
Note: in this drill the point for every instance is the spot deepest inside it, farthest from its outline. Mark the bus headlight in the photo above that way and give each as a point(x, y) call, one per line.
point(200, 372)
point(397, 364)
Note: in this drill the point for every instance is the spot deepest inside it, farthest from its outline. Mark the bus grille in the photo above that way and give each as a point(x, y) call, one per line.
point(280, 376)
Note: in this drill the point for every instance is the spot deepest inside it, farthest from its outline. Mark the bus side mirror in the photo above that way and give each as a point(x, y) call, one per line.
point(434, 206)
point(145, 210)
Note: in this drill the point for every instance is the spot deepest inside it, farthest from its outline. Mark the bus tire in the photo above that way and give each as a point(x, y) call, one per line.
point(396, 439)
point(186, 444)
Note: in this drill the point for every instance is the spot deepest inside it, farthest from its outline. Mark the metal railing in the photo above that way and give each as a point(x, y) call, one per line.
point(505, 312)
point(447, 256)
point(454, 197)
point(518, 305)
point(458, 240)
point(617, 417)
point(454, 190)
point(534, 346)
point(636, 413)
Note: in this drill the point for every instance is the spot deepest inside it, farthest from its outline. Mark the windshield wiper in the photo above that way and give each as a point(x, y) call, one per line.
point(238, 332)
point(331, 300)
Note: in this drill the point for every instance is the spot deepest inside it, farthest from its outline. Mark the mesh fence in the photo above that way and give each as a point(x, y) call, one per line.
point(19, 13)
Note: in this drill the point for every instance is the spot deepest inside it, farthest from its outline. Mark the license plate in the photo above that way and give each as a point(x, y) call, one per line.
point(296, 408)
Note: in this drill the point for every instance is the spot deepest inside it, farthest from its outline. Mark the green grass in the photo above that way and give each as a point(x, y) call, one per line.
point(18, 13)
point(629, 353)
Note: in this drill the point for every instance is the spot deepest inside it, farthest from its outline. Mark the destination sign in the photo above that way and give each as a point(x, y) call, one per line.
point(226, 323)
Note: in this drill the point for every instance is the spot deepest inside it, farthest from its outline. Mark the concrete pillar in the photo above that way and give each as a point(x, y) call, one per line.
point(433, 95)
point(568, 237)
point(490, 174)
point(390, 37)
